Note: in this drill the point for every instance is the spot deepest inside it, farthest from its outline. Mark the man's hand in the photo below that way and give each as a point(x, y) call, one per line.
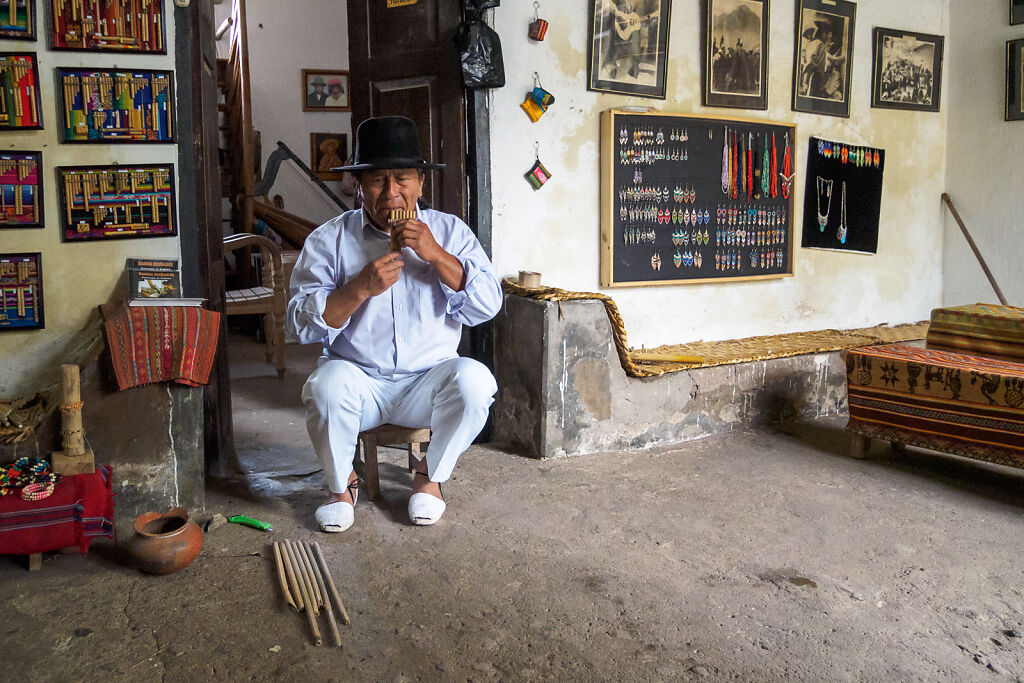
point(416, 235)
point(379, 275)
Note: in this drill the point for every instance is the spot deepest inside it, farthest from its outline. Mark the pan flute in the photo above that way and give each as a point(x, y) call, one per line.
point(396, 216)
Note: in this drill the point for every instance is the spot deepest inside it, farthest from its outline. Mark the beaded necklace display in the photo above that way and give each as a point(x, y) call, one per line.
point(787, 171)
point(750, 167)
point(734, 168)
point(725, 162)
point(827, 186)
point(775, 169)
point(841, 231)
point(766, 183)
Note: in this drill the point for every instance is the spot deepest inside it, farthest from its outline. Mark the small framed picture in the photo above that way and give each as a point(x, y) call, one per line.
point(21, 289)
point(19, 92)
point(1016, 12)
point(906, 70)
point(20, 18)
point(327, 151)
point(1014, 79)
point(21, 190)
point(116, 202)
point(736, 54)
point(823, 56)
point(629, 46)
point(325, 90)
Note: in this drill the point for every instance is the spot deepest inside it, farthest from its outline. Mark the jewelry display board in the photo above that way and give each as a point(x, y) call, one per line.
point(19, 92)
point(689, 199)
point(108, 26)
point(110, 105)
point(21, 291)
point(18, 19)
point(111, 202)
point(21, 190)
point(842, 196)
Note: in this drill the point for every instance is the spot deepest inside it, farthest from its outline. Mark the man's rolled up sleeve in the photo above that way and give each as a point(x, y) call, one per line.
point(312, 281)
point(481, 298)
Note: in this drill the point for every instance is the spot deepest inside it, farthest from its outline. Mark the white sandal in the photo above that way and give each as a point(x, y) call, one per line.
point(425, 509)
point(335, 517)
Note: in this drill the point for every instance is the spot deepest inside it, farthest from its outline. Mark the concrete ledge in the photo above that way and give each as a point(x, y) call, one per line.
point(562, 391)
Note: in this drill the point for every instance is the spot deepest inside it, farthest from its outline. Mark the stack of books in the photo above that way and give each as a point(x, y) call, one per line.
point(156, 282)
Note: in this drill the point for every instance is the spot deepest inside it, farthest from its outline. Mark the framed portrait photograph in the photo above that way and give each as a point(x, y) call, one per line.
point(327, 151)
point(823, 56)
point(1016, 12)
point(629, 46)
point(736, 54)
point(906, 70)
point(324, 90)
point(1014, 80)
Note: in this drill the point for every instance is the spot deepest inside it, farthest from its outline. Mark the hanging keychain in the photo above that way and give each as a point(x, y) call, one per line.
point(537, 100)
point(539, 27)
point(538, 175)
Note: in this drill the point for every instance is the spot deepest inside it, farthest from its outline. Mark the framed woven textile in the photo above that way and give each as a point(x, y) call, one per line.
point(694, 199)
point(108, 26)
point(21, 289)
point(19, 92)
point(112, 202)
point(110, 105)
point(21, 190)
point(18, 19)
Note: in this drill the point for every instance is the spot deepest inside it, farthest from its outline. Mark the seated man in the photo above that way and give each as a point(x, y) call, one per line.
point(390, 322)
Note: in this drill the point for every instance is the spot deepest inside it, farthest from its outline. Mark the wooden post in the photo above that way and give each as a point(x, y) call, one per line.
point(75, 458)
point(35, 562)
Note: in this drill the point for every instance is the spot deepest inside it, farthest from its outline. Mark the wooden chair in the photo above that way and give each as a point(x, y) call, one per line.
point(387, 435)
point(267, 299)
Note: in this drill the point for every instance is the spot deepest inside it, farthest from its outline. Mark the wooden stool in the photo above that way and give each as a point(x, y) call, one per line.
point(387, 435)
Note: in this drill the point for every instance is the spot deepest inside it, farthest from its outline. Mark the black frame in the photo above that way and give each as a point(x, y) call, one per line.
point(839, 11)
point(38, 197)
point(599, 37)
point(38, 256)
point(52, 38)
point(38, 97)
point(878, 37)
point(735, 100)
point(172, 215)
point(1014, 80)
point(32, 34)
point(1016, 12)
point(61, 71)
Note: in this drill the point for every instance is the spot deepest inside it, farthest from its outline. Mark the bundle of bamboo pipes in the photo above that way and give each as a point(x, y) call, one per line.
point(305, 580)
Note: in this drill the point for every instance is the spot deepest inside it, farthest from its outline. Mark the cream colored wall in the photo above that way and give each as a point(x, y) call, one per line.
point(76, 277)
point(556, 230)
point(984, 158)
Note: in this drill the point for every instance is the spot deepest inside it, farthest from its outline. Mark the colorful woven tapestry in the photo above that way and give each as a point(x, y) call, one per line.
point(983, 329)
point(953, 402)
point(161, 344)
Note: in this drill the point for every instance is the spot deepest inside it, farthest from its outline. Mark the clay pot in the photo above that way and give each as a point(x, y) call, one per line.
point(165, 543)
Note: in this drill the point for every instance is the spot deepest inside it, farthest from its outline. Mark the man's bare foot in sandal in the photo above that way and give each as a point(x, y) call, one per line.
point(426, 504)
point(338, 513)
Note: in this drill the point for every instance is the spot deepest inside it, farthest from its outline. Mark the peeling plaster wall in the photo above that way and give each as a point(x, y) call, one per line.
point(76, 277)
point(983, 158)
point(556, 230)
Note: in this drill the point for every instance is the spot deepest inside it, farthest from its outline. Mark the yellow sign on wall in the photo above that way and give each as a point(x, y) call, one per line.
point(401, 3)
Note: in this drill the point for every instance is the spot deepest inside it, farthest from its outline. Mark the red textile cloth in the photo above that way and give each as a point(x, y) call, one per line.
point(80, 509)
point(151, 344)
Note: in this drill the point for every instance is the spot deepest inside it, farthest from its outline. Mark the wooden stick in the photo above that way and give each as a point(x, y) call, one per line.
point(305, 596)
point(974, 248)
point(293, 576)
point(304, 580)
point(281, 578)
point(309, 573)
point(323, 590)
point(330, 584)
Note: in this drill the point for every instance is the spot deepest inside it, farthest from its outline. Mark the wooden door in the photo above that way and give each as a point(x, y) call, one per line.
point(402, 61)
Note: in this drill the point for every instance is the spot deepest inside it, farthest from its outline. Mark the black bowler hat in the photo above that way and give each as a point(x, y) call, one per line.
point(387, 142)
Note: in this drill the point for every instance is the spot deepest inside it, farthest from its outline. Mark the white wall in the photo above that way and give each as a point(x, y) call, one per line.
point(984, 158)
point(284, 39)
point(556, 230)
point(76, 277)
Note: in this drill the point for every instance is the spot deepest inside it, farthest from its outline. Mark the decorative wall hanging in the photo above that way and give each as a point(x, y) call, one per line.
point(537, 175)
point(111, 202)
point(325, 90)
point(823, 56)
point(842, 196)
point(628, 47)
point(110, 105)
point(21, 290)
point(1014, 80)
point(736, 54)
point(906, 70)
point(538, 27)
point(1016, 12)
point(327, 151)
point(687, 199)
point(21, 190)
point(537, 100)
point(108, 26)
point(19, 92)
point(18, 19)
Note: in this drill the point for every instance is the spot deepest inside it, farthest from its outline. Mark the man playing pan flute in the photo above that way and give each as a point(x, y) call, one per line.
point(387, 299)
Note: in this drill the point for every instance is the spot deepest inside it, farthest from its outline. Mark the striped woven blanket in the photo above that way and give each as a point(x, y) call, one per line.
point(982, 329)
point(161, 344)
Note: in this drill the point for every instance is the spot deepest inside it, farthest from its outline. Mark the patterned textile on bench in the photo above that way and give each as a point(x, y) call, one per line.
point(951, 402)
point(982, 329)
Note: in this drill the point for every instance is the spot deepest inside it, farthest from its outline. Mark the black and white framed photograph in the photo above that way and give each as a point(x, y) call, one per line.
point(1014, 79)
point(906, 70)
point(1016, 12)
point(629, 46)
point(823, 56)
point(736, 54)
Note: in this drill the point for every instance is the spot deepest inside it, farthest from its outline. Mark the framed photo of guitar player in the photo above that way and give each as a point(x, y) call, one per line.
point(629, 46)
point(736, 54)
point(823, 56)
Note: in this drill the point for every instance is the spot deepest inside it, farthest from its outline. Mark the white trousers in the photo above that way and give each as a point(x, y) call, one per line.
point(452, 398)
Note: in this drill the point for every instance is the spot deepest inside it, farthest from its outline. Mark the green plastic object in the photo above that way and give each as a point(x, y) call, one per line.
point(249, 521)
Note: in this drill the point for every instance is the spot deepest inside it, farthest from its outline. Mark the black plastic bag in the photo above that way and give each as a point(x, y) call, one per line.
point(480, 55)
point(479, 5)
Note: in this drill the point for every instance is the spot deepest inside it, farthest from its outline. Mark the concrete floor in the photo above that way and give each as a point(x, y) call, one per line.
point(754, 555)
